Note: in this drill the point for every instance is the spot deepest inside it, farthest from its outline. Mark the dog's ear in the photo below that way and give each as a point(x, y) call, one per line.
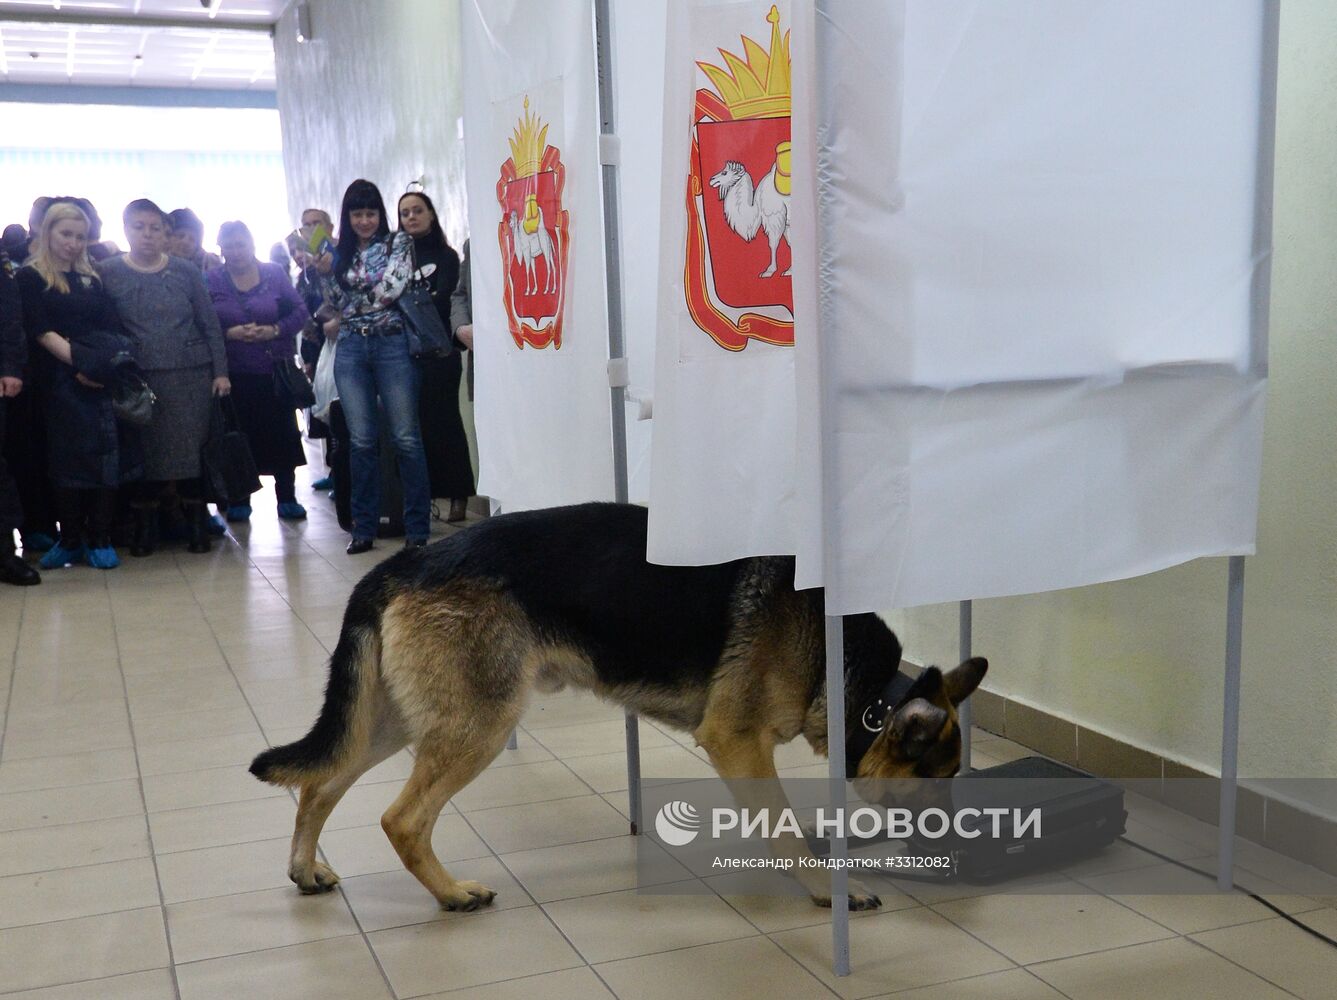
point(961, 682)
point(928, 685)
point(915, 726)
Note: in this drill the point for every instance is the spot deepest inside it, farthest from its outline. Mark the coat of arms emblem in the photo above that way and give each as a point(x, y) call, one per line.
point(534, 235)
point(738, 254)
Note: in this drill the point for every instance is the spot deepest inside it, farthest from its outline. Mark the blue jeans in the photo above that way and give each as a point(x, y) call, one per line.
point(366, 368)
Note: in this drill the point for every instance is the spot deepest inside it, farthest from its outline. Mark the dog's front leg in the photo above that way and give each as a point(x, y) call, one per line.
point(747, 765)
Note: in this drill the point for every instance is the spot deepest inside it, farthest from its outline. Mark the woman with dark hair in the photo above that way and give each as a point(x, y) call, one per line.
point(185, 239)
point(363, 279)
point(443, 439)
point(70, 317)
point(163, 303)
point(260, 313)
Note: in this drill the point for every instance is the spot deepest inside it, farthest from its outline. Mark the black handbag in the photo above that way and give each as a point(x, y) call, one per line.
point(291, 381)
point(427, 335)
point(133, 401)
point(225, 458)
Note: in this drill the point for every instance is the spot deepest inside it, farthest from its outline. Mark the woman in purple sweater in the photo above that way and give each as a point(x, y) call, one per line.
point(261, 314)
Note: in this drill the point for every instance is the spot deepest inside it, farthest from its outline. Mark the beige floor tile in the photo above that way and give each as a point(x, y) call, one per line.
point(64, 744)
point(87, 948)
point(481, 947)
point(205, 787)
point(617, 925)
point(1283, 954)
point(364, 804)
point(761, 902)
point(1017, 984)
point(608, 772)
point(570, 984)
point(569, 710)
point(365, 850)
point(595, 866)
point(64, 894)
point(154, 985)
point(308, 692)
point(171, 694)
point(1038, 928)
point(894, 951)
point(67, 684)
point(69, 769)
point(254, 921)
point(510, 786)
point(195, 726)
point(73, 845)
point(1187, 903)
point(527, 751)
point(236, 750)
point(1174, 968)
point(58, 806)
point(335, 969)
point(548, 824)
point(214, 826)
point(752, 967)
point(287, 714)
point(397, 899)
point(226, 870)
point(108, 715)
point(596, 738)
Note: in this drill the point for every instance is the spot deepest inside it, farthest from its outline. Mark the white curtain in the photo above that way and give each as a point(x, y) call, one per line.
point(722, 481)
point(1040, 287)
point(536, 252)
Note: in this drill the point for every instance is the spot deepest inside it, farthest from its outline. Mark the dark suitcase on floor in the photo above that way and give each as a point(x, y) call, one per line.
point(392, 492)
point(1079, 815)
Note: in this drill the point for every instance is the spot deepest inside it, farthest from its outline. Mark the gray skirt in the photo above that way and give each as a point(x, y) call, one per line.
point(180, 423)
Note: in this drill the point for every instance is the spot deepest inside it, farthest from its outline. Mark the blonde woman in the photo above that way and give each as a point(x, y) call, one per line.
point(79, 347)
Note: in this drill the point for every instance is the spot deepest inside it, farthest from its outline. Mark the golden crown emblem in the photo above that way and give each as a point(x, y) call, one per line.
point(758, 86)
point(528, 140)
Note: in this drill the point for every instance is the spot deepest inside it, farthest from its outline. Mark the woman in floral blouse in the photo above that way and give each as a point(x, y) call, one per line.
point(363, 279)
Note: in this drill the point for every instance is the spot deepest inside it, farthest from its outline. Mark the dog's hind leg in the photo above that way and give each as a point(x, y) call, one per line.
point(318, 798)
point(445, 764)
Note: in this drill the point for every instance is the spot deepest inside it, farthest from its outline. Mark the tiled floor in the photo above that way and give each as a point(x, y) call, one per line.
point(139, 860)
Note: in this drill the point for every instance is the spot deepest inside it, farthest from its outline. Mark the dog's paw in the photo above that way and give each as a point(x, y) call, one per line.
point(468, 896)
point(319, 878)
point(861, 898)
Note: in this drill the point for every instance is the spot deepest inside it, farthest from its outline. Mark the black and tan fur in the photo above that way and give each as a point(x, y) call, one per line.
point(441, 647)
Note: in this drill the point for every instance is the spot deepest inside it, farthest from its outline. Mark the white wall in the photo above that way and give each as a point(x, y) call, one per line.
point(376, 93)
point(1142, 660)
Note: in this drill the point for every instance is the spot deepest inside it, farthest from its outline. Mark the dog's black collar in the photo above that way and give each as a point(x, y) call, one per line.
point(861, 734)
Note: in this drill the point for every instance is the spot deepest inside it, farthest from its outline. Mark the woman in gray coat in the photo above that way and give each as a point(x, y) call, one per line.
point(165, 306)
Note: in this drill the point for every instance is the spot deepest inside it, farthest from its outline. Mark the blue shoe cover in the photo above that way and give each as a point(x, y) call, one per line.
point(241, 512)
point(58, 556)
point(103, 558)
point(216, 525)
point(292, 511)
point(324, 483)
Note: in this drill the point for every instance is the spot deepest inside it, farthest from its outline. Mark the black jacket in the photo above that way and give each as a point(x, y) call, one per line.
point(13, 344)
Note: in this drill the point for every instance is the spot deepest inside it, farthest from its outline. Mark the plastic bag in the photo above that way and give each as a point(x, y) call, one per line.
point(323, 384)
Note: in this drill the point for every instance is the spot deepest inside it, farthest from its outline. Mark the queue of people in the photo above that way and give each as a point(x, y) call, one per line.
point(114, 369)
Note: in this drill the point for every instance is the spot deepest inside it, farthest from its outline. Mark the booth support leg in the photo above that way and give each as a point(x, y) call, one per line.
point(835, 745)
point(1230, 726)
point(634, 772)
point(964, 629)
point(513, 741)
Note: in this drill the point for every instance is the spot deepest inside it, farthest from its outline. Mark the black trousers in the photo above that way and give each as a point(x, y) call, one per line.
point(85, 515)
point(11, 508)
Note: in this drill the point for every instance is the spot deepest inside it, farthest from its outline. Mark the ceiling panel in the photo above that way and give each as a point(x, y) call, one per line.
point(61, 43)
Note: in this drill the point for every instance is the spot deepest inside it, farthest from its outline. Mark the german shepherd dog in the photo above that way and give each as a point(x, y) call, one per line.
point(441, 646)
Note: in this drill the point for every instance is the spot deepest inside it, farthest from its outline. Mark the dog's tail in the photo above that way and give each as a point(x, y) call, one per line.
point(354, 671)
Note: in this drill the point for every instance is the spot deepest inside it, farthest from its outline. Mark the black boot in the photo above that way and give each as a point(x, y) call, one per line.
point(146, 529)
point(197, 526)
point(14, 570)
